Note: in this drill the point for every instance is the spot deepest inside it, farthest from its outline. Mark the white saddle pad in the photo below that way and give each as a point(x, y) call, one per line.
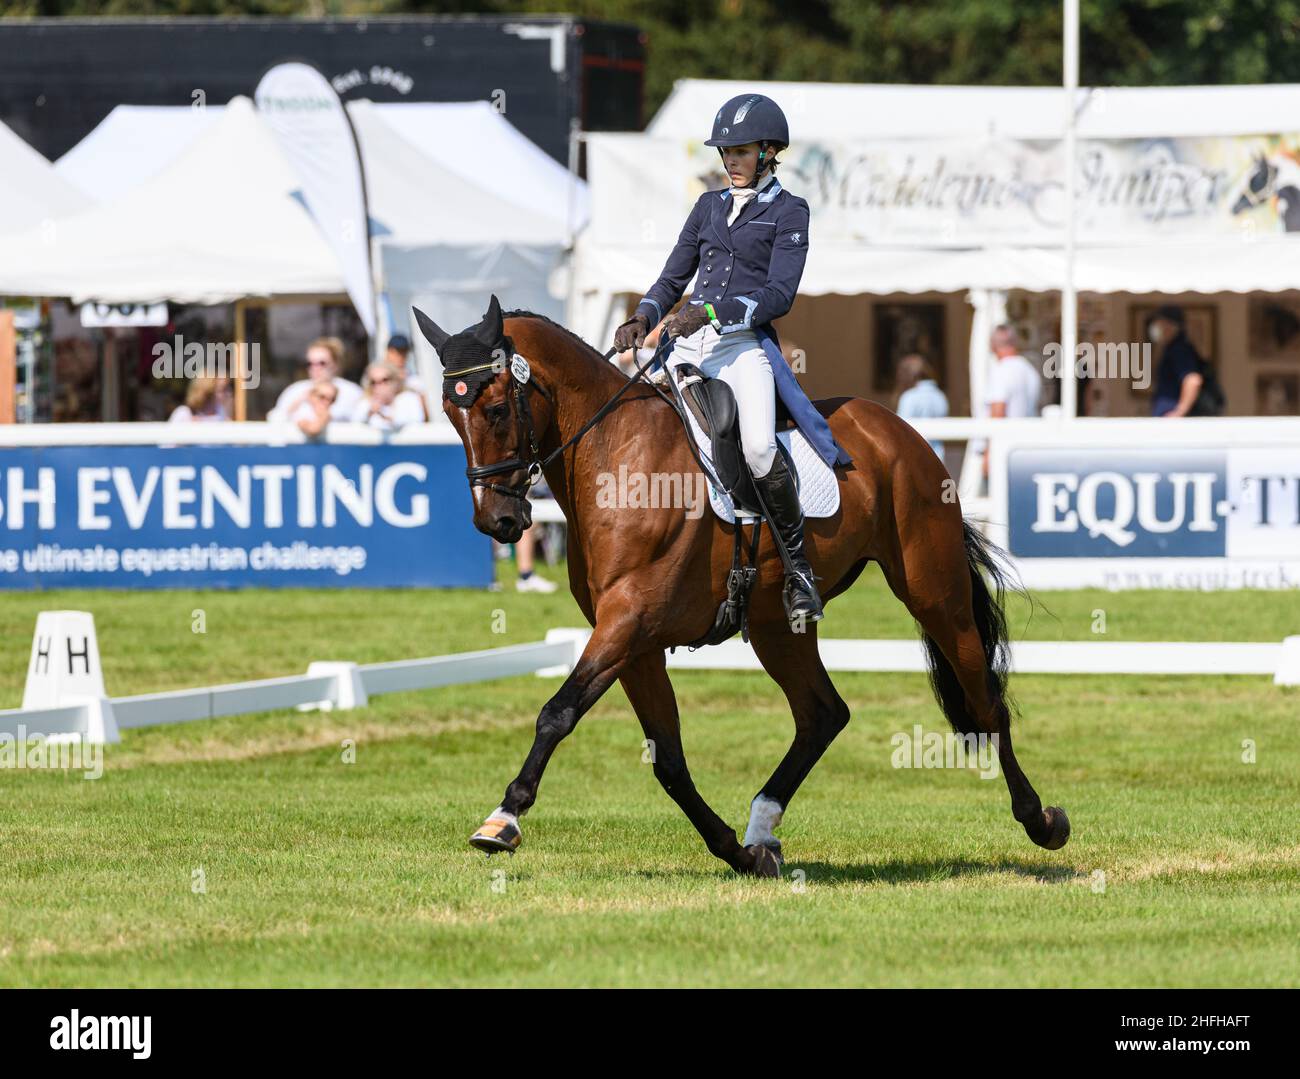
point(819, 490)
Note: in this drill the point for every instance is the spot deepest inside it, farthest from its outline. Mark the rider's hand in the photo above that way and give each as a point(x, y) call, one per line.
point(689, 319)
point(632, 333)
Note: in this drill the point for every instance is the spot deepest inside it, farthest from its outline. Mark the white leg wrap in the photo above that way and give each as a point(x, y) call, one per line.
point(764, 815)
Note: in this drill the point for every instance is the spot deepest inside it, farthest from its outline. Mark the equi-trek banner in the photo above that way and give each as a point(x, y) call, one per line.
point(964, 192)
point(1175, 516)
point(238, 516)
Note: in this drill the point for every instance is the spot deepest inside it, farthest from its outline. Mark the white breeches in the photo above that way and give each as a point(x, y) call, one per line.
point(739, 360)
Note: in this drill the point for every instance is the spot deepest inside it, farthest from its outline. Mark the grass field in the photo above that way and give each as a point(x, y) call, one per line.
point(1184, 867)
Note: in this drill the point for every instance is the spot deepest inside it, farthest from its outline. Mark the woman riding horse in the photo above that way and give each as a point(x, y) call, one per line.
point(748, 244)
point(528, 399)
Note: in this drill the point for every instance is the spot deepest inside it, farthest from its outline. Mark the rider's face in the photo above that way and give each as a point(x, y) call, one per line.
point(740, 163)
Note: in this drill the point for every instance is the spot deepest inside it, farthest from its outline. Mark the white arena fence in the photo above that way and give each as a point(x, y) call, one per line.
point(344, 685)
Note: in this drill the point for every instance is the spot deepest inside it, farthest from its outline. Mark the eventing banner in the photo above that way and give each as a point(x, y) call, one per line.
point(959, 192)
point(1156, 516)
point(238, 517)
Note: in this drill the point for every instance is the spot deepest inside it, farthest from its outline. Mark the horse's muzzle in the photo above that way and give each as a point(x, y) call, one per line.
point(509, 524)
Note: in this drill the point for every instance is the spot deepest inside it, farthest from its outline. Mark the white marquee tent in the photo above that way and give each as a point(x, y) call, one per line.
point(876, 111)
point(198, 205)
point(873, 154)
point(469, 141)
point(623, 253)
point(218, 223)
point(31, 192)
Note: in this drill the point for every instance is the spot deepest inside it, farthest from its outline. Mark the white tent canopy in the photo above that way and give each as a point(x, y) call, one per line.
point(415, 199)
point(846, 111)
point(471, 145)
point(216, 224)
point(201, 208)
point(622, 252)
point(31, 192)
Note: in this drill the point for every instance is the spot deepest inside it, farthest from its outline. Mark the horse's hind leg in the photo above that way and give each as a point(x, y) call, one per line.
point(819, 715)
point(939, 581)
point(646, 682)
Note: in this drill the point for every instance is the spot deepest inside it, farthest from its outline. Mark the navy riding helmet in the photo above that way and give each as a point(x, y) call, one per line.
point(751, 118)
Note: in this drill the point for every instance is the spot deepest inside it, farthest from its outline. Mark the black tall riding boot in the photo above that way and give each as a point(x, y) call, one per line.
point(781, 496)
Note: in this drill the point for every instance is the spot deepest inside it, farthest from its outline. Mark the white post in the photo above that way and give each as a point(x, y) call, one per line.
point(1069, 301)
point(570, 213)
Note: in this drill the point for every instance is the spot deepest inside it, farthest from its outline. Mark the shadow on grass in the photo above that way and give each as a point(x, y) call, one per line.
point(929, 872)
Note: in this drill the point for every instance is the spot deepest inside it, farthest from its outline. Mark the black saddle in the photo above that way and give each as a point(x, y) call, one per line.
point(713, 404)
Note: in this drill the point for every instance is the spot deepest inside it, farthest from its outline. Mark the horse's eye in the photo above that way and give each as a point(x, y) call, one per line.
point(496, 413)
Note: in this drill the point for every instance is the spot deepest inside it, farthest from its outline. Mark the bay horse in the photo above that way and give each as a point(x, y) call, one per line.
point(648, 579)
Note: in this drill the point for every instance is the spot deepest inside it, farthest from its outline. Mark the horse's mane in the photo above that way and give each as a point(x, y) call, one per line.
point(550, 322)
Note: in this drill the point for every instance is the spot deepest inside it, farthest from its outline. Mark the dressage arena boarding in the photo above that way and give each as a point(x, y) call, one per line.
point(232, 843)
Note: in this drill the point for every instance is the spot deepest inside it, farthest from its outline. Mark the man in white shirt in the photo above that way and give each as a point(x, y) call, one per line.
point(1014, 385)
point(324, 358)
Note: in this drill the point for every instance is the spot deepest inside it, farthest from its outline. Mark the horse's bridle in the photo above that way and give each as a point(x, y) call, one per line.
point(523, 425)
point(526, 428)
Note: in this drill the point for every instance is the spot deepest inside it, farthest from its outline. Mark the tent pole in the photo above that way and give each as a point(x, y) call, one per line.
point(1069, 299)
point(570, 238)
point(241, 367)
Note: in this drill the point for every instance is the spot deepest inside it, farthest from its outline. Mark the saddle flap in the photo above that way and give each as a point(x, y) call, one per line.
point(713, 404)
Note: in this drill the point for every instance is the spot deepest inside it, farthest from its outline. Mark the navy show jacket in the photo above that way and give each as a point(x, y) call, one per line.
point(750, 272)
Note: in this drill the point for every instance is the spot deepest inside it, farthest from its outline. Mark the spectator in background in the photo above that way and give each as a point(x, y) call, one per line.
point(387, 403)
point(525, 552)
point(313, 414)
point(206, 399)
point(1015, 384)
point(918, 396)
point(1178, 371)
point(398, 355)
point(324, 360)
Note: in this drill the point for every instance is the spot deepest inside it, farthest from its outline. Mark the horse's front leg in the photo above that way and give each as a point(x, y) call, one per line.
point(646, 683)
point(601, 663)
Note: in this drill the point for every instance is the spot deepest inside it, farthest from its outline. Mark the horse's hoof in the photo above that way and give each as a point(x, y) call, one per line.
point(774, 845)
point(767, 863)
point(1058, 829)
point(500, 832)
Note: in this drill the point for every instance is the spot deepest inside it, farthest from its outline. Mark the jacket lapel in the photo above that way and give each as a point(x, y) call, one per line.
point(721, 208)
point(762, 201)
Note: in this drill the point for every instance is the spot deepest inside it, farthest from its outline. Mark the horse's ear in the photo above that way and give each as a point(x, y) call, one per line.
point(489, 331)
point(433, 333)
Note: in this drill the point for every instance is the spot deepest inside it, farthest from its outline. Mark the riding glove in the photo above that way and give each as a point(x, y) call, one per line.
point(632, 333)
point(689, 319)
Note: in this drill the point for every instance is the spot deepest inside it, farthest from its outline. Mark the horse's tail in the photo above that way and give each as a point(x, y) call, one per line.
point(983, 559)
